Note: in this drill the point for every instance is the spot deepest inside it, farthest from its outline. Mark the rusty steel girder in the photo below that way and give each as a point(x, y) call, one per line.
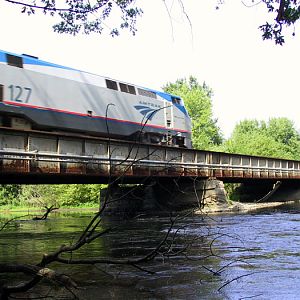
point(24, 152)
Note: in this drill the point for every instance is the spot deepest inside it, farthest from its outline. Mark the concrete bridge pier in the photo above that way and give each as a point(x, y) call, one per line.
point(180, 195)
point(128, 200)
point(164, 196)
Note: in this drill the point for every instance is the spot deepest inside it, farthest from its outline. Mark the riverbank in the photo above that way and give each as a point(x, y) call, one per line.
point(233, 207)
point(236, 207)
point(16, 211)
point(9, 208)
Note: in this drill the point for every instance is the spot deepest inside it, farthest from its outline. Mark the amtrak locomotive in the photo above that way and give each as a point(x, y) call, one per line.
point(35, 94)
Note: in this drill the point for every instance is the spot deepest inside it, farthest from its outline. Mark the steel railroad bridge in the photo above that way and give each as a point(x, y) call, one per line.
point(28, 156)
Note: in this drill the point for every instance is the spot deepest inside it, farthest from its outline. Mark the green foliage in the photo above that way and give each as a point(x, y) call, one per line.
point(283, 13)
point(83, 16)
point(197, 100)
point(9, 194)
point(78, 194)
point(93, 16)
point(287, 14)
point(40, 195)
point(231, 191)
point(48, 194)
point(276, 138)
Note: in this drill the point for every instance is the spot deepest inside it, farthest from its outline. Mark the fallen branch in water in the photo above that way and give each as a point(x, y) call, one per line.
point(45, 215)
point(11, 220)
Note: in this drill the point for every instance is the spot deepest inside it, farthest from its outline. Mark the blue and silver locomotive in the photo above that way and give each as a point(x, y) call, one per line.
point(35, 94)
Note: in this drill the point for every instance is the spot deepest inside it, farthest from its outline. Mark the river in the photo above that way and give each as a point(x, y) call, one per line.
point(256, 255)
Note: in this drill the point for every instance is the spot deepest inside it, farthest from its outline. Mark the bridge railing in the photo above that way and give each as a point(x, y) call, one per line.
point(37, 153)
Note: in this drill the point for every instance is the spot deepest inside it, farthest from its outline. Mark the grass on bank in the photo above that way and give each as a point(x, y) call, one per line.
point(27, 208)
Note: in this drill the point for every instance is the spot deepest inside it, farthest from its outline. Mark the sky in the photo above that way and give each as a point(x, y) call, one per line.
point(250, 78)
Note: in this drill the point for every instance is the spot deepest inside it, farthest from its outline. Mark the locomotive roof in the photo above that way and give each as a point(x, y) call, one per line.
point(33, 60)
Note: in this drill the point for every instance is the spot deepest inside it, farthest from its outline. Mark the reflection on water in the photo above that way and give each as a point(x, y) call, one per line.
point(257, 255)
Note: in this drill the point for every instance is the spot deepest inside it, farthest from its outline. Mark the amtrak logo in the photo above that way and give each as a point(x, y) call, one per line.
point(146, 111)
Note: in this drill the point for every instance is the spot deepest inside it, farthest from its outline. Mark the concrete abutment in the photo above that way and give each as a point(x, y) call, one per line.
point(165, 196)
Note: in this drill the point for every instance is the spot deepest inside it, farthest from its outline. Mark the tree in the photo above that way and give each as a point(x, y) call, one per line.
point(284, 13)
point(283, 131)
point(39, 195)
point(77, 194)
point(82, 16)
point(49, 195)
point(197, 99)
point(9, 194)
point(287, 14)
point(276, 138)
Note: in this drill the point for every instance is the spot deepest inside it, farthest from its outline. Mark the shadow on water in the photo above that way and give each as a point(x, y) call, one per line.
point(256, 254)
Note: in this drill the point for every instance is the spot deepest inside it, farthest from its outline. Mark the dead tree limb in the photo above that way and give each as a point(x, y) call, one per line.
point(45, 215)
point(11, 220)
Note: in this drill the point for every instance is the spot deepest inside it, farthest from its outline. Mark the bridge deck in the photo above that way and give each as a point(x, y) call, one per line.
point(56, 157)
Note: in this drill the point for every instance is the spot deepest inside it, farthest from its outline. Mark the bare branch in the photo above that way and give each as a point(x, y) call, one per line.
point(236, 278)
point(45, 215)
point(13, 219)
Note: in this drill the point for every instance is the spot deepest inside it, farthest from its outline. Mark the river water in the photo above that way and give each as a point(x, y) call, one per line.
point(255, 256)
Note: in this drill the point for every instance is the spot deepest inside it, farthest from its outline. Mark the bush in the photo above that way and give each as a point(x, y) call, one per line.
point(10, 194)
point(50, 194)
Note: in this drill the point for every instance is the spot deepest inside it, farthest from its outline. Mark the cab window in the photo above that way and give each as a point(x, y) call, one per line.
point(15, 61)
point(176, 100)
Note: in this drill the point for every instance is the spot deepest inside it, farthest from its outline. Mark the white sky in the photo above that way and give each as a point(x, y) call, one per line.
point(250, 78)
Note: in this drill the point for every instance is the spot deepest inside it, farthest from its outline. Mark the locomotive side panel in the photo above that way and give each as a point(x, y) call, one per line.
point(60, 98)
point(51, 101)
